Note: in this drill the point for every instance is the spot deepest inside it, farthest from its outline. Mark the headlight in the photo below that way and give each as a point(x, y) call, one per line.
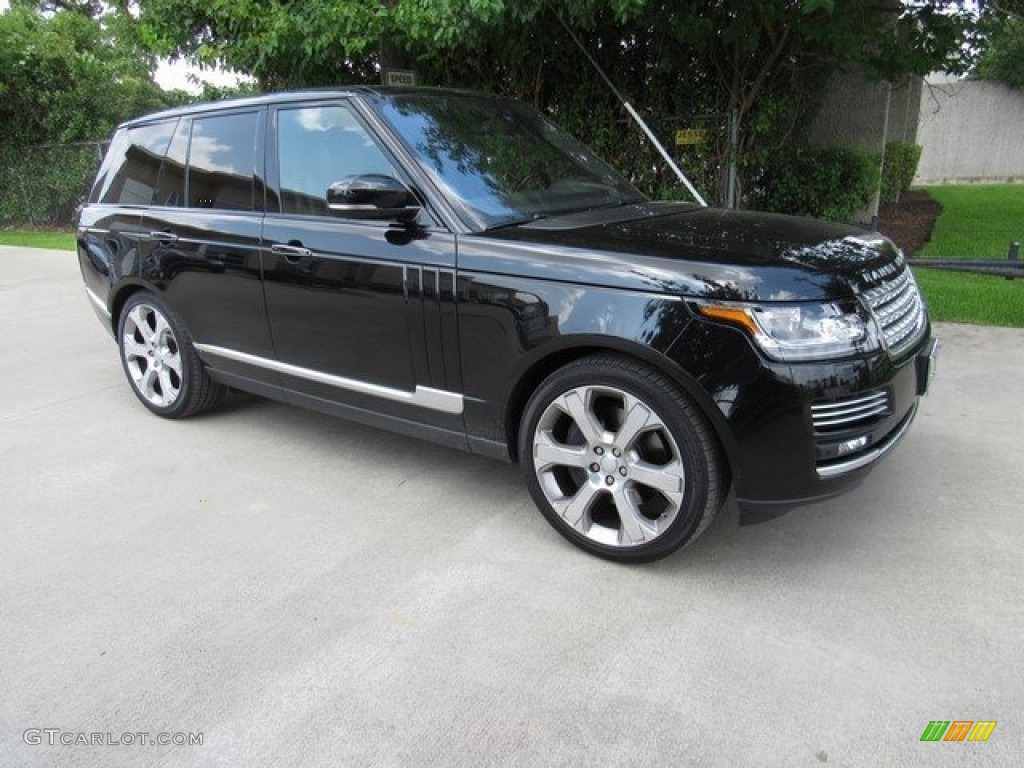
point(795, 332)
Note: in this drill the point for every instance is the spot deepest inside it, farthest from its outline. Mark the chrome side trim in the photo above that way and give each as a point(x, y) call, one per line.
point(98, 303)
point(835, 470)
point(424, 397)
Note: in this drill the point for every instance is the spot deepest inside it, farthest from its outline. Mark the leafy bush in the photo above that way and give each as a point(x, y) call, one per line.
point(834, 183)
point(901, 159)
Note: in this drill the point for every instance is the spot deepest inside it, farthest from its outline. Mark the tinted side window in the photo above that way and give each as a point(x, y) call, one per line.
point(171, 185)
point(222, 162)
point(129, 172)
point(317, 146)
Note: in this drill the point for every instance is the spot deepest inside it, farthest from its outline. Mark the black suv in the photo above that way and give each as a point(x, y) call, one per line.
point(454, 267)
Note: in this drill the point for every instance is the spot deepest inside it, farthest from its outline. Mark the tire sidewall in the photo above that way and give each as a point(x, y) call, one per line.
point(678, 415)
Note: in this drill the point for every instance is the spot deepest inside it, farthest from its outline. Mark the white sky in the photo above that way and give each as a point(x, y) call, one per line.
point(174, 74)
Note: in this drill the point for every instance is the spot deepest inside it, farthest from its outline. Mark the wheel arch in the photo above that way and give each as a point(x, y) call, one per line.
point(120, 297)
point(539, 370)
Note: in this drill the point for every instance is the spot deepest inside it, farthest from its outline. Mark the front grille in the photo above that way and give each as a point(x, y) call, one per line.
point(897, 306)
point(850, 412)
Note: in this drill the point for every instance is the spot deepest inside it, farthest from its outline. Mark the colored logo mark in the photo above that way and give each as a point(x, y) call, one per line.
point(958, 730)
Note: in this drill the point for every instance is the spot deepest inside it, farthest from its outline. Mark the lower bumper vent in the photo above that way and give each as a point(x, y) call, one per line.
point(839, 415)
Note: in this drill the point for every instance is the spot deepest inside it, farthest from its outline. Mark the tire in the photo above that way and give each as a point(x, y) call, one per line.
point(160, 361)
point(619, 461)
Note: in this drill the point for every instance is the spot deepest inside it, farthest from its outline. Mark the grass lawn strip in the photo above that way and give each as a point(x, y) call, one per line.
point(961, 297)
point(61, 241)
point(976, 221)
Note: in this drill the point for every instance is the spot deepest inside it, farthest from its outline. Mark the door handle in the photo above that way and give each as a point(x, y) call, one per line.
point(165, 236)
point(291, 252)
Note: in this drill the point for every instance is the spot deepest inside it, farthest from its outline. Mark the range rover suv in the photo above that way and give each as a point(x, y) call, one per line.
point(454, 267)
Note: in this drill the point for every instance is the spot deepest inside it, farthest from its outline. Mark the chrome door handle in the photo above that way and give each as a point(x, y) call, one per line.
point(292, 251)
point(163, 237)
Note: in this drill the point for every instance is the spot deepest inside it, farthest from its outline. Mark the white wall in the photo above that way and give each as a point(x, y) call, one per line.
point(971, 131)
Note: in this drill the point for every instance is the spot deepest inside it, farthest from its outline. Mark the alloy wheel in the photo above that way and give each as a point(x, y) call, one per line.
point(608, 465)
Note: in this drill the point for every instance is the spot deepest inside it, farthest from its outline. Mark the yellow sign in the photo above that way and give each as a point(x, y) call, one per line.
point(691, 136)
point(399, 77)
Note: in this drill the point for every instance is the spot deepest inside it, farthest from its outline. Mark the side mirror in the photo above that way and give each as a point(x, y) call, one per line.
point(372, 196)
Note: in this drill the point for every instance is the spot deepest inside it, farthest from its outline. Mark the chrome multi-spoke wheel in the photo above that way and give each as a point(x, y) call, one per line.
point(619, 461)
point(608, 465)
point(151, 355)
point(160, 361)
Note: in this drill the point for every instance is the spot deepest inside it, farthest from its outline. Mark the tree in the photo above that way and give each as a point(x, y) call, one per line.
point(681, 60)
point(1002, 58)
point(68, 77)
point(65, 76)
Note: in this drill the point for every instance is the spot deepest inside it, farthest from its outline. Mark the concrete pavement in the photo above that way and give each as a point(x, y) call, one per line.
point(307, 592)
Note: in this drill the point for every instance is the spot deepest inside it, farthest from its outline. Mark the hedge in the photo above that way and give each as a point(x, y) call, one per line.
point(42, 186)
point(834, 183)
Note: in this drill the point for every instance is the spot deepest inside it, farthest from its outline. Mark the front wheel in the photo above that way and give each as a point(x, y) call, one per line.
point(159, 360)
point(619, 461)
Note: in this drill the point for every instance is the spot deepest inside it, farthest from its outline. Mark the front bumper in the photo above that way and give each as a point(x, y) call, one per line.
point(801, 433)
point(843, 455)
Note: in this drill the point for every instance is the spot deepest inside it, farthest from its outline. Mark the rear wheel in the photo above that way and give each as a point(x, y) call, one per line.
point(160, 362)
point(619, 461)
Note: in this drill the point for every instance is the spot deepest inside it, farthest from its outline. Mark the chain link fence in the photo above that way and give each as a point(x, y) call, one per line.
point(42, 186)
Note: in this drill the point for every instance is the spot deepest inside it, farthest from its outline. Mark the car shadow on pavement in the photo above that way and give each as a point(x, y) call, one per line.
point(818, 533)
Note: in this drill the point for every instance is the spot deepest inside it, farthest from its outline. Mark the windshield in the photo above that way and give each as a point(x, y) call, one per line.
point(500, 160)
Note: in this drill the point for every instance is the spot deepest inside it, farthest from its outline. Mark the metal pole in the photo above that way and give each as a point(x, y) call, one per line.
point(876, 202)
point(664, 153)
point(734, 149)
point(632, 112)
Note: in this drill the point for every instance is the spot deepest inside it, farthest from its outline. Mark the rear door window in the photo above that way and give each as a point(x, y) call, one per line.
point(222, 162)
point(171, 185)
point(130, 170)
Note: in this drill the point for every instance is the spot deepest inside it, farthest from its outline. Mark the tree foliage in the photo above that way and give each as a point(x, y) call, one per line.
point(1002, 58)
point(69, 72)
point(685, 62)
point(71, 69)
point(66, 76)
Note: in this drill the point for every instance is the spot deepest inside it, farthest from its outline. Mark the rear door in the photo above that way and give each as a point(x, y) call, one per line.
point(110, 227)
point(358, 309)
point(201, 239)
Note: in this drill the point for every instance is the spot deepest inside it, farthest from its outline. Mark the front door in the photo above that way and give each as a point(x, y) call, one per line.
point(358, 310)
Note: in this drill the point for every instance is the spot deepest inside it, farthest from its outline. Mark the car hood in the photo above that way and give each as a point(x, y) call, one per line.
point(682, 248)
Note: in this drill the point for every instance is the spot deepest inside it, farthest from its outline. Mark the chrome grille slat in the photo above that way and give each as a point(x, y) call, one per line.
point(851, 411)
point(897, 306)
point(850, 403)
point(855, 410)
point(851, 418)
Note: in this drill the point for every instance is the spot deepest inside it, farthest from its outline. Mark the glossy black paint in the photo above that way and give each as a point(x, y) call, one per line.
point(362, 307)
point(488, 315)
point(682, 249)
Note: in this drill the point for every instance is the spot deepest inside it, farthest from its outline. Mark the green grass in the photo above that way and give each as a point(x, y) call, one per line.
point(976, 221)
point(962, 297)
point(61, 241)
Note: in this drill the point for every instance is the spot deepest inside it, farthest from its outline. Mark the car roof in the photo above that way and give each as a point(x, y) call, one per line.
point(305, 94)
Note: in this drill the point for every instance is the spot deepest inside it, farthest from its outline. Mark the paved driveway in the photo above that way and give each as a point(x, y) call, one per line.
point(306, 592)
